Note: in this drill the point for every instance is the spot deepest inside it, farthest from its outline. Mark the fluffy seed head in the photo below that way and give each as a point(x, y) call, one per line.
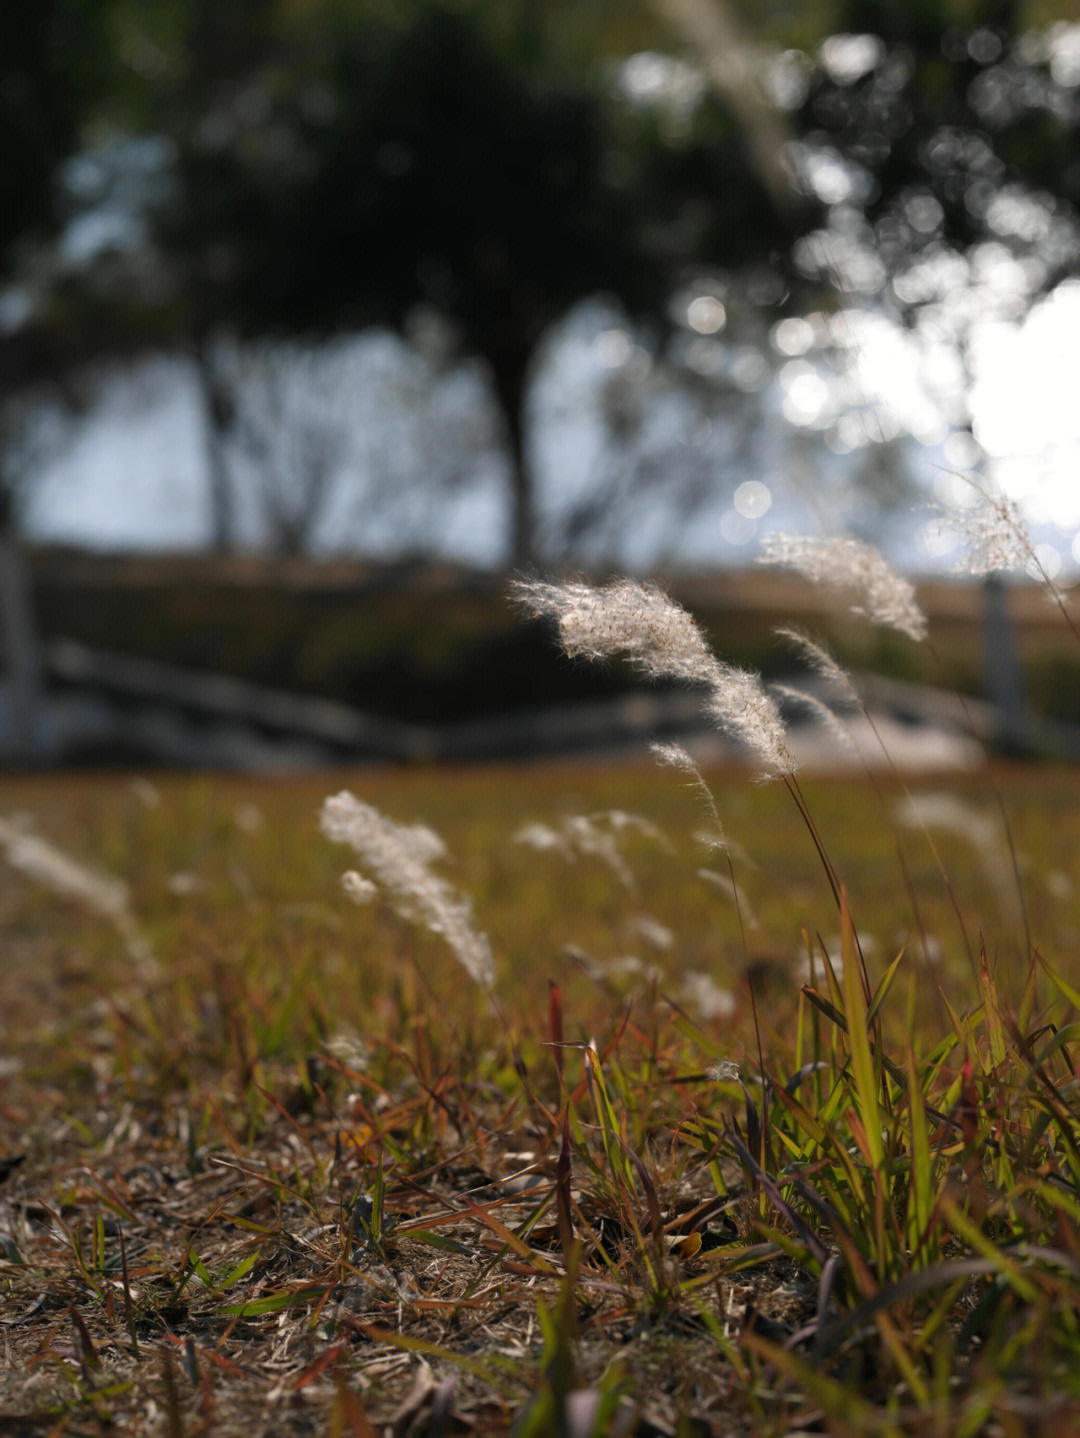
point(664, 641)
point(399, 858)
point(674, 756)
point(822, 662)
point(623, 617)
point(592, 835)
point(818, 708)
point(739, 704)
point(40, 860)
point(996, 533)
point(879, 592)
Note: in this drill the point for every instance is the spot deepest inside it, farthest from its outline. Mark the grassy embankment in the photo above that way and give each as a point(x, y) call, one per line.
point(733, 1151)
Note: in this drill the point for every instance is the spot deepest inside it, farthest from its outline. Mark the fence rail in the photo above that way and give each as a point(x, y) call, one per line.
point(129, 709)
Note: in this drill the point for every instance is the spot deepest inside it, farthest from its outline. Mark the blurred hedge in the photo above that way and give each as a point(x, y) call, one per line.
point(433, 644)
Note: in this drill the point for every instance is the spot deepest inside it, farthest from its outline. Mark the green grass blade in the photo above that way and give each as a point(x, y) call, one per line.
point(828, 1009)
point(243, 1268)
point(862, 1061)
point(994, 1029)
point(971, 1234)
point(921, 1188)
point(843, 1404)
point(882, 990)
point(1064, 988)
point(256, 1306)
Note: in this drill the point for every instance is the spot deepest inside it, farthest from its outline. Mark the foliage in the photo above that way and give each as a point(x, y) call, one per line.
point(489, 194)
point(960, 132)
point(342, 165)
point(54, 59)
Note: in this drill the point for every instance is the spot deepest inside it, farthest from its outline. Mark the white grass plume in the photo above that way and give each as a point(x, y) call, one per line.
point(675, 756)
point(38, 859)
point(543, 838)
point(399, 858)
point(620, 819)
point(652, 931)
point(995, 531)
point(942, 810)
point(998, 539)
point(848, 564)
point(589, 839)
point(821, 662)
point(591, 835)
point(703, 993)
point(664, 641)
point(623, 617)
point(985, 833)
point(818, 708)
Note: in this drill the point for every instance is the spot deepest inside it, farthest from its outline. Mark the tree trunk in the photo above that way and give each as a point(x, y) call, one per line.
point(219, 404)
point(21, 647)
point(1006, 687)
point(510, 380)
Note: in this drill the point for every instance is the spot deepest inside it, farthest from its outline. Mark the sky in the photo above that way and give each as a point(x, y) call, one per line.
point(131, 473)
point(1026, 406)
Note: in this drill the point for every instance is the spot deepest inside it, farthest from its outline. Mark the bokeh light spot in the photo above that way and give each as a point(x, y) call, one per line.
point(752, 499)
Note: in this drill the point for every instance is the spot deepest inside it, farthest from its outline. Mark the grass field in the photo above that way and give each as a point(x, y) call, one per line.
point(272, 1162)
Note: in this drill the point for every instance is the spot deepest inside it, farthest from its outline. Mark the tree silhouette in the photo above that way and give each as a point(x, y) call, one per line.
point(447, 180)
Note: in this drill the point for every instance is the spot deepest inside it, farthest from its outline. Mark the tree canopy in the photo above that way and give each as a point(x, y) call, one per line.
point(437, 176)
point(344, 164)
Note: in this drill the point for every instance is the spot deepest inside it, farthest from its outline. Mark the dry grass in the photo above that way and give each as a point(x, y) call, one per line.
point(288, 1171)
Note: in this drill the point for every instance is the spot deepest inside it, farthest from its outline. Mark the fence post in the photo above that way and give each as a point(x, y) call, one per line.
point(20, 647)
point(1006, 687)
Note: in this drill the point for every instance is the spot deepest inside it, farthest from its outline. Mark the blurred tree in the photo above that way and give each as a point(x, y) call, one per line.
point(53, 59)
point(715, 31)
point(944, 141)
point(427, 173)
point(956, 134)
point(344, 164)
point(295, 442)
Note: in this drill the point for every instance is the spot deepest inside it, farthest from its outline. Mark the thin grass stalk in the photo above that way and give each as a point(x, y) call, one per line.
point(793, 789)
point(974, 733)
point(823, 661)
